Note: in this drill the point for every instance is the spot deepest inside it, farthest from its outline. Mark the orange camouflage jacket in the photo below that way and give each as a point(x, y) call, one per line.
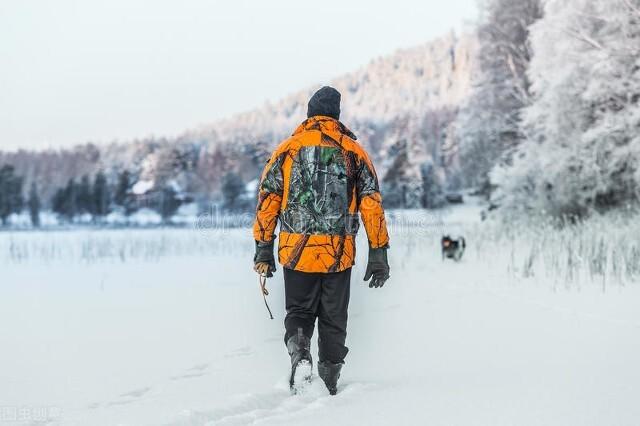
point(315, 183)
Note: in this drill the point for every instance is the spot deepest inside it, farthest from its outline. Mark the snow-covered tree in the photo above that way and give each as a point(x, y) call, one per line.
point(432, 191)
point(583, 126)
point(405, 152)
point(488, 125)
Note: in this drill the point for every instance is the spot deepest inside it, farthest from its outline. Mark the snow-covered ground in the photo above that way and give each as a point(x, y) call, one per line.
point(167, 327)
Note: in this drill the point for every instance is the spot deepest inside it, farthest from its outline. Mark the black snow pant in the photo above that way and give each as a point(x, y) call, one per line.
point(319, 295)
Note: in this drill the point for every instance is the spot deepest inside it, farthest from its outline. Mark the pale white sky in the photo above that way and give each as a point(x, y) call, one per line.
point(73, 71)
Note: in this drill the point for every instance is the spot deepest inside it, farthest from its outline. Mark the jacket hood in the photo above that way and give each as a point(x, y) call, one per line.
point(324, 124)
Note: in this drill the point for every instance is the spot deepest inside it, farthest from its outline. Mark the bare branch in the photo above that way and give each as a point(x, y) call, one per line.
point(584, 37)
point(631, 6)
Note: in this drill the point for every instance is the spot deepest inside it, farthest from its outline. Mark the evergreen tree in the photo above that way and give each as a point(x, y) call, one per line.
point(402, 185)
point(232, 189)
point(432, 193)
point(84, 196)
point(57, 202)
point(122, 196)
point(70, 202)
point(397, 185)
point(34, 205)
point(11, 200)
point(101, 197)
point(169, 203)
point(64, 200)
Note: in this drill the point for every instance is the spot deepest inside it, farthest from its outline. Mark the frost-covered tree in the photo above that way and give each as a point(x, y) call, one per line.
point(405, 149)
point(583, 151)
point(415, 160)
point(488, 125)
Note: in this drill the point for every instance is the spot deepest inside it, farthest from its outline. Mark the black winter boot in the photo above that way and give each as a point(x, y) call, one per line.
point(329, 372)
point(299, 347)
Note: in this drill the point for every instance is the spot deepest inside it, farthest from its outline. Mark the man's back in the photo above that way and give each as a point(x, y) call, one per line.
point(319, 179)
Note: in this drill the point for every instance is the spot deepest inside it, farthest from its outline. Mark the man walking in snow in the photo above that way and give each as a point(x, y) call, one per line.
point(315, 183)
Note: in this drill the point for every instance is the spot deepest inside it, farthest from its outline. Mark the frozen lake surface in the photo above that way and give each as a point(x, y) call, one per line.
point(167, 327)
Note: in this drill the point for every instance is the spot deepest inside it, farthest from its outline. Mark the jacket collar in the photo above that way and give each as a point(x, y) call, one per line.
point(324, 124)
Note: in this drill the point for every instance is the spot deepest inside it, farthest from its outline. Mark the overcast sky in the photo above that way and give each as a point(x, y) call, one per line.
point(93, 70)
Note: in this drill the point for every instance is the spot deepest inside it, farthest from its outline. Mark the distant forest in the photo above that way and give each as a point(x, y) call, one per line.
point(538, 110)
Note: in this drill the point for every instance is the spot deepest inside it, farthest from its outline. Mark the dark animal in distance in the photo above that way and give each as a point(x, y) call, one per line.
point(453, 249)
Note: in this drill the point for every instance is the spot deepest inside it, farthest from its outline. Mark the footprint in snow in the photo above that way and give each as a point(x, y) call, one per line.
point(189, 376)
point(120, 402)
point(272, 406)
point(126, 398)
point(199, 367)
point(243, 351)
point(136, 393)
point(196, 371)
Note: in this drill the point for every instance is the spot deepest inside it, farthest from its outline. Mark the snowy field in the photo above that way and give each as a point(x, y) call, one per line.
point(167, 327)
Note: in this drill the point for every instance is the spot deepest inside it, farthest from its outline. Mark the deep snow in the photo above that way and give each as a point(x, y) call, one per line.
point(181, 337)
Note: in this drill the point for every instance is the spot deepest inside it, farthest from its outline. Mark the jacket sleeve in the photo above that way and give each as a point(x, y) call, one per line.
point(270, 193)
point(370, 203)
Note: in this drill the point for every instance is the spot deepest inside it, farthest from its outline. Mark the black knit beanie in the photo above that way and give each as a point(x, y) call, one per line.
point(325, 101)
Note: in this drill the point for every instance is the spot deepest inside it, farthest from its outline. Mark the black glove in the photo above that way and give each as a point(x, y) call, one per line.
point(378, 267)
point(264, 255)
